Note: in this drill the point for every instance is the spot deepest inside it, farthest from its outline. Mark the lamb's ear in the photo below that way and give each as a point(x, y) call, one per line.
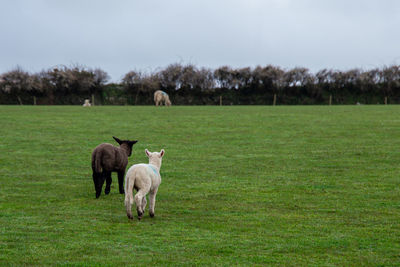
point(147, 152)
point(162, 152)
point(116, 139)
point(132, 142)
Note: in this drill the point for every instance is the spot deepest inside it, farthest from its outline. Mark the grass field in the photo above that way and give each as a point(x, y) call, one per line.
point(259, 185)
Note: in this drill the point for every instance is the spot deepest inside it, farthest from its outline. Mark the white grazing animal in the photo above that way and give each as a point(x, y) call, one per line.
point(87, 103)
point(144, 178)
point(161, 97)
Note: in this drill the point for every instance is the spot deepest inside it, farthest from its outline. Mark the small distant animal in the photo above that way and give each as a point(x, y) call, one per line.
point(87, 103)
point(107, 158)
point(144, 178)
point(161, 97)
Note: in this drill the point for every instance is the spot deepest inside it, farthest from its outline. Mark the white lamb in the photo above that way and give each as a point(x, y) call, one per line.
point(144, 178)
point(87, 103)
point(161, 97)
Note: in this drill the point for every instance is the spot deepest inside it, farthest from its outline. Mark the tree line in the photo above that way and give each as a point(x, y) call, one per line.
point(188, 84)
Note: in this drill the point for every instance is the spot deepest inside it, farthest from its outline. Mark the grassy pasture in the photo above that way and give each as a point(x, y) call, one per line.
point(243, 185)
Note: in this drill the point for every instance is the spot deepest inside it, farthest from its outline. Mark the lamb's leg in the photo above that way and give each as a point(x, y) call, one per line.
point(128, 209)
point(139, 201)
point(96, 179)
point(107, 177)
point(152, 199)
point(100, 182)
point(121, 181)
point(144, 203)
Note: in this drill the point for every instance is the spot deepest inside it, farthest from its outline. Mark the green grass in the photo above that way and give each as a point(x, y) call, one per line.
point(259, 185)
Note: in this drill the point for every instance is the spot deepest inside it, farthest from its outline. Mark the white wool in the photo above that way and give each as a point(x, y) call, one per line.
point(161, 97)
point(146, 179)
point(87, 103)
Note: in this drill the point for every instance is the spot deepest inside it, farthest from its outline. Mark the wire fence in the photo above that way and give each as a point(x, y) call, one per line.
point(206, 99)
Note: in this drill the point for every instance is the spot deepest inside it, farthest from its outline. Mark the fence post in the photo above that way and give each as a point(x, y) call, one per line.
point(220, 100)
point(385, 100)
point(330, 100)
point(34, 100)
point(92, 99)
point(274, 103)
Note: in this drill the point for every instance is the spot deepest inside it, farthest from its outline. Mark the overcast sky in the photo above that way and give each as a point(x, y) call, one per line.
point(122, 35)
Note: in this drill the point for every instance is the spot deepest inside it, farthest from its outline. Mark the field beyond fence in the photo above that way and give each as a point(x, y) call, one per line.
point(241, 185)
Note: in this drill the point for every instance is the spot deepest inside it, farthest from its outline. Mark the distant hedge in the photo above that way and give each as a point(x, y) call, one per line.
point(190, 85)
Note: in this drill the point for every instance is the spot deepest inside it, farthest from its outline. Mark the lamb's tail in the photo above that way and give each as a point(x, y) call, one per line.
point(156, 95)
point(96, 162)
point(129, 183)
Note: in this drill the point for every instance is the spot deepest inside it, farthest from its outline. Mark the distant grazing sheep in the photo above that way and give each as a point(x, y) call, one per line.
point(144, 178)
point(87, 103)
point(107, 158)
point(161, 97)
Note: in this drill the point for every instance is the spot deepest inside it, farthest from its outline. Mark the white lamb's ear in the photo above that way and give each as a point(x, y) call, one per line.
point(147, 152)
point(162, 152)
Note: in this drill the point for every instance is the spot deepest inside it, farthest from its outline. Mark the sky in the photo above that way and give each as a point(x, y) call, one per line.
point(123, 35)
